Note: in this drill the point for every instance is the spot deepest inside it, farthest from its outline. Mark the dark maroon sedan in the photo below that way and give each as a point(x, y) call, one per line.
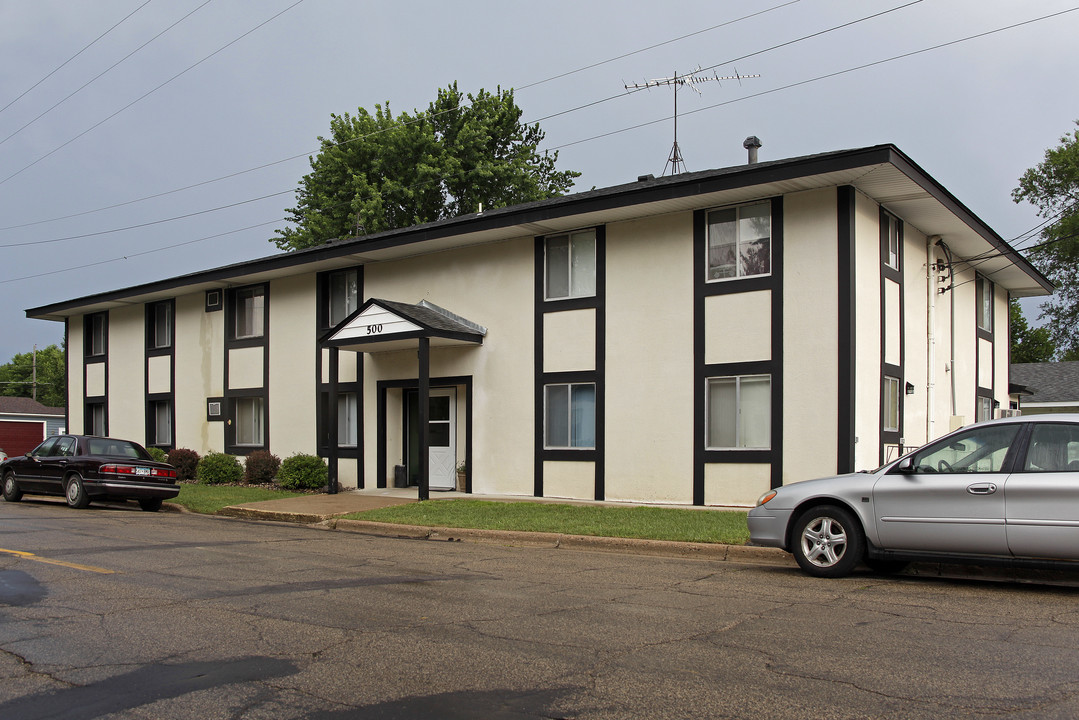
point(84, 468)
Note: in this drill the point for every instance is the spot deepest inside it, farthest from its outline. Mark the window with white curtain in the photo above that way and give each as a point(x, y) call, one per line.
point(740, 412)
point(249, 421)
point(347, 435)
point(343, 294)
point(571, 265)
point(891, 404)
point(250, 303)
point(984, 292)
point(162, 430)
point(740, 241)
point(570, 416)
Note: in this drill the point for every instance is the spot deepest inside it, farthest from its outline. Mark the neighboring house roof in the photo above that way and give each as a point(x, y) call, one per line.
point(26, 406)
point(1049, 382)
point(881, 172)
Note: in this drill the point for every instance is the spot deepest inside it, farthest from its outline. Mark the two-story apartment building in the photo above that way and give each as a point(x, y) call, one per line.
point(690, 339)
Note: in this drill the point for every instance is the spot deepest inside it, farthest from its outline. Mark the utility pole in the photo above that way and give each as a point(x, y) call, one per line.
point(675, 161)
point(33, 376)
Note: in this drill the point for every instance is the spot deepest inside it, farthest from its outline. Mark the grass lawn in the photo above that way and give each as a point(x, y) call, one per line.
point(208, 499)
point(710, 526)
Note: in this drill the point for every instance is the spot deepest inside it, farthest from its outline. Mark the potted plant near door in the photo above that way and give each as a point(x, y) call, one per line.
point(462, 471)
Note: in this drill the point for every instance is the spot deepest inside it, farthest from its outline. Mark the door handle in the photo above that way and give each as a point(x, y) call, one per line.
point(982, 489)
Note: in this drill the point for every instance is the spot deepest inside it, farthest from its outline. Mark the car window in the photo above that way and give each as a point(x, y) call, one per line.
point(979, 450)
point(110, 447)
point(64, 446)
point(44, 448)
point(1054, 447)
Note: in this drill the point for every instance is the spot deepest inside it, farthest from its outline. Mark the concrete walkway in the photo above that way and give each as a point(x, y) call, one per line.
point(325, 511)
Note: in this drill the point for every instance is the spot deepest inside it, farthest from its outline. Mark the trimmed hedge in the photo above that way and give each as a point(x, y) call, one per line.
point(219, 468)
point(158, 454)
point(261, 467)
point(186, 463)
point(299, 472)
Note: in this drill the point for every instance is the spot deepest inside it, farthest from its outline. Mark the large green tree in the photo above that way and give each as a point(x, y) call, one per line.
point(379, 172)
point(17, 376)
point(1052, 187)
point(1029, 344)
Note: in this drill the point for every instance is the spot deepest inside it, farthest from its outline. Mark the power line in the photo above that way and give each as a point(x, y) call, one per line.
point(148, 94)
point(93, 79)
point(80, 52)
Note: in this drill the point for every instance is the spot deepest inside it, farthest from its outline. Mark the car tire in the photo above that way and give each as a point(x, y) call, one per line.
point(75, 493)
point(886, 567)
point(827, 541)
point(150, 504)
point(12, 493)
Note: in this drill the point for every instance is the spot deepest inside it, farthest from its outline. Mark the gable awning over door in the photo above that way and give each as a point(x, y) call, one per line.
point(386, 326)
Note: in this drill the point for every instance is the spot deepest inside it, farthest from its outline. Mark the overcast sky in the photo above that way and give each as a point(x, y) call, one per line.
point(226, 98)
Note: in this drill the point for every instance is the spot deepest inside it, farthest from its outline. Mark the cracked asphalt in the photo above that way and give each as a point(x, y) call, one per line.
point(110, 612)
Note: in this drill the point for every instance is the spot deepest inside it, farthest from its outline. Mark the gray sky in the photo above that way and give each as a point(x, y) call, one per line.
point(974, 114)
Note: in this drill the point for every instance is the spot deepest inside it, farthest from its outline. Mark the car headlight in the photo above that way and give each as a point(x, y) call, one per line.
point(766, 497)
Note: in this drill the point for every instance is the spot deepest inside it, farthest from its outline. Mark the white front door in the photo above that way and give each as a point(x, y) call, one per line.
point(442, 436)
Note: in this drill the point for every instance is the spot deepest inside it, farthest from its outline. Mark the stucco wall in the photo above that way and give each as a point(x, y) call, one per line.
point(293, 397)
point(199, 354)
point(127, 373)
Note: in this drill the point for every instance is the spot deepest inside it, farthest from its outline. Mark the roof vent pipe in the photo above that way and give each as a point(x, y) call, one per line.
point(751, 144)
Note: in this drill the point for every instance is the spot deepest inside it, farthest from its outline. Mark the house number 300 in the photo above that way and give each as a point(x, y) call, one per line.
point(374, 329)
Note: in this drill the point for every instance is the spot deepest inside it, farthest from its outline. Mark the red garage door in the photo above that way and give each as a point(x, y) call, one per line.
point(17, 438)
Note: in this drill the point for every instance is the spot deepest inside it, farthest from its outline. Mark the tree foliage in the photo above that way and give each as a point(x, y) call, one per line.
point(1028, 344)
point(16, 377)
point(1053, 188)
point(377, 172)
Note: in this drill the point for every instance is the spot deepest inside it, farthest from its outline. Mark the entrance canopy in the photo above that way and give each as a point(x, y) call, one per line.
point(385, 326)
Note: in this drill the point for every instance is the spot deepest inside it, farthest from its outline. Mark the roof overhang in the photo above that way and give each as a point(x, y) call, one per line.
point(388, 326)
point(882, 172)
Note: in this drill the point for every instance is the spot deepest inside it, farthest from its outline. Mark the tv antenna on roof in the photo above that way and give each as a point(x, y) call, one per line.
point(691, 80)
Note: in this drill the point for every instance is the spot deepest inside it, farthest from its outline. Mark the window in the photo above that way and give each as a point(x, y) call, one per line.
point(1053, 448)
point(249, 421)
point(250, 306)
point(159, 326)
point(95, 334)
point(95, 419)
point(985, 303)
point(161, 417)
point(570, 416)
point(571, 265)
point(891, 404)
point(740, 412)
point(347, 416)
point(984, 410)
point(45, 448)
point(890, 236)
point(739, 241)
point(342, 295)
point(979, 450)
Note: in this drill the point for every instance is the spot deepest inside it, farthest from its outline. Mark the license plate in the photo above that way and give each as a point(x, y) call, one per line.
point(142, 471)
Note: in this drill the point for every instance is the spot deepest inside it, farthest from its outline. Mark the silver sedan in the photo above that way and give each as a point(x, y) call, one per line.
point(998, 492)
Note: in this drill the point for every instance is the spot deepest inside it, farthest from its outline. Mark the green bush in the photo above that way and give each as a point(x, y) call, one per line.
point(186, 463)
point(261, 467)
point(302, 471)
point(158, 454)
point(219, 468)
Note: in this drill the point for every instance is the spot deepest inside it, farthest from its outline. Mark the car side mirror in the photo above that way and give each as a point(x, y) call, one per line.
point(904, 466)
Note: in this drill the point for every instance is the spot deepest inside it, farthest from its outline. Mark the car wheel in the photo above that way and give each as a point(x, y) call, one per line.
point(76, 493)
point(150, 504)
point(12, 493)
point(828, 542)
point(886, 567)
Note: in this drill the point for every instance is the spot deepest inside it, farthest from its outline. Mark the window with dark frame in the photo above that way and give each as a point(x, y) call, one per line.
point(249, 421)
point(740, 241)
point(248, 313)
point(984, 294)
point(95, 328)
point(891, 403)
point(159, 326)
point(570, 265)
point(739, 411)
point(342, 295)
point(890, 239)
point(161, 417)
point(570, 416)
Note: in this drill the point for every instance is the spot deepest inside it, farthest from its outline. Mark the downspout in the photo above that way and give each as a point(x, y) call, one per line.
point(931, 336)
point(951, 313)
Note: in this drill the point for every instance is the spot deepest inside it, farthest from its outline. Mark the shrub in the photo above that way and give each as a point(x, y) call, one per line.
point(158, 454)
point(302, 471)
point(219, 468)
point(261, 467)
point(186, 463)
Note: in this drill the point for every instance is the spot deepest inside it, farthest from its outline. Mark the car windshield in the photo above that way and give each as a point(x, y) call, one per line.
point(109, 447)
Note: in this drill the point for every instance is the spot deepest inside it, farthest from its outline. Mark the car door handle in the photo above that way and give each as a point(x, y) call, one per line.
point(982, 489)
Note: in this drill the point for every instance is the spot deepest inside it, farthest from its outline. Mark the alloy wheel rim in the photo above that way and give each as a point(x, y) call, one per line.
point(824, 542)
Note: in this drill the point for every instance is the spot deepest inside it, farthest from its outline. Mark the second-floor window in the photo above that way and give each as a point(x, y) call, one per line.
point(740, 241)
point(159, 327)
point(570, 265)
point(342, 294)
point(985, 303)
point(250, 306)
point(96, 329)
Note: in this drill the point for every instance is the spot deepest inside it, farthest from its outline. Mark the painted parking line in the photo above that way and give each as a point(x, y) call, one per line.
point(76, 566)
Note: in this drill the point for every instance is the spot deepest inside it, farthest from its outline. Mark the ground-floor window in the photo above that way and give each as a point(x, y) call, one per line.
point(249, 421)
point(570, 416)
point(891, 404)
point(984, 409)
point(347, 420)
point(740, 412)
point(161, 422)
point(95, 419)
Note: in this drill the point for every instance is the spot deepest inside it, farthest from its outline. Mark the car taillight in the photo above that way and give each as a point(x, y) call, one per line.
point(163, 472)
point(117, 469)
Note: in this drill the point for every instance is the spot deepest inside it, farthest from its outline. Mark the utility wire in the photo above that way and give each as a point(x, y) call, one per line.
point(93, 79)
point(148, 94)
point(80, 52)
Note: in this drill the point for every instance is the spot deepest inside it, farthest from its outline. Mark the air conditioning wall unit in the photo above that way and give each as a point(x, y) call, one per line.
point(1008, 412)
